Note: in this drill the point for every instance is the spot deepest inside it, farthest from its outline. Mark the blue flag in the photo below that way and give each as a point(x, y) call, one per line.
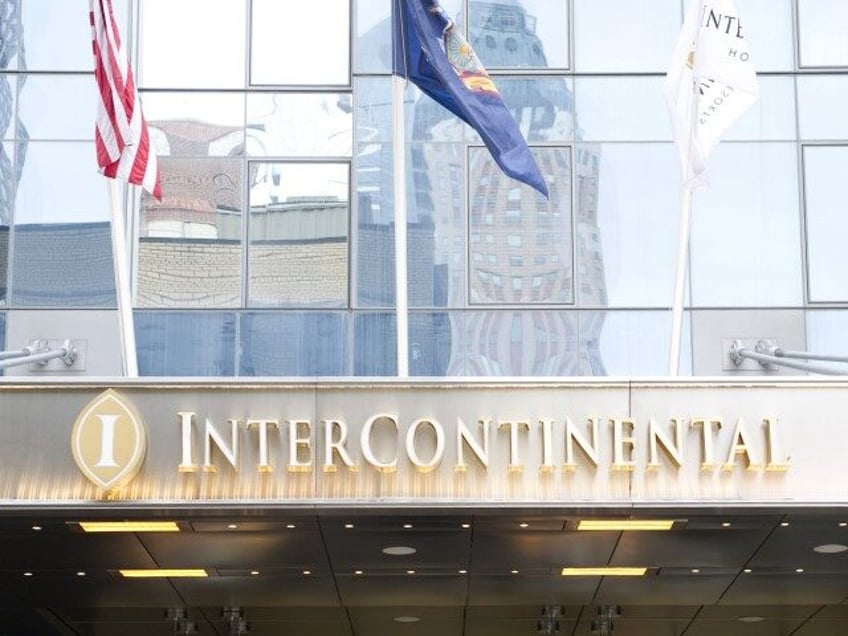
point(431, 52)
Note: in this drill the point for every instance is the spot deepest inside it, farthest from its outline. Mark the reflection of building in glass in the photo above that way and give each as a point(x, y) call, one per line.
point(520, 248)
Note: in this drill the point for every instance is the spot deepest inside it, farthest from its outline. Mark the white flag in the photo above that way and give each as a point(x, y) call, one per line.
point(710, 83)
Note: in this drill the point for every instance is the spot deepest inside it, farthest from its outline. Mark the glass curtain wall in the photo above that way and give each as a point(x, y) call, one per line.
point(272, 250)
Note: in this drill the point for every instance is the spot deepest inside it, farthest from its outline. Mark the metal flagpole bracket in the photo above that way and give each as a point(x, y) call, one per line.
point(39, 354)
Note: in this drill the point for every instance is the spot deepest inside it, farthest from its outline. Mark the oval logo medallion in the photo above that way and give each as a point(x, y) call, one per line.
point(109, 440)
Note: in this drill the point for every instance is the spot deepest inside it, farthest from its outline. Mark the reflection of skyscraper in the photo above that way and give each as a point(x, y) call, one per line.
point(520, 248)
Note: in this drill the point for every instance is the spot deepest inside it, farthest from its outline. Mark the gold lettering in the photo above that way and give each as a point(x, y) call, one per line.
point(514, 428)
point(657, 438)
point(707, 425)
point(420, 465)
point(739, 446)
point(187, 464)
point(464, 435)
point(264, 465)
point(230, 452)
point(622, 444)
point(365, 443)
point(589, 450)
point(338, 446)
point(772, 440)
point(296, 444)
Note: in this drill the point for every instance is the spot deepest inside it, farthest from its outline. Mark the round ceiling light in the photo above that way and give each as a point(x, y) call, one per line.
point(399, 550)
point(406, 619)
point(830, 548)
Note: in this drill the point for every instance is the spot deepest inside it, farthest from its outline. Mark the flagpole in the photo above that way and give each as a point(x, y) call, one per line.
point(680, 282)
point(400, 215)
point(120, 256)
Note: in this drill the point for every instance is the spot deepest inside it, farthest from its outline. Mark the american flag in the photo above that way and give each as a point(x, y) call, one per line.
point(122, 138)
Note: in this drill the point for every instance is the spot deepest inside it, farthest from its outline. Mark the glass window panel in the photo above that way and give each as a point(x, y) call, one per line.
point(436, 230)
point(8, 98)
point(2, 331)
point(621, 109)
point(8, 182)
point(63, 265)
point(305, 125)
point(314, 344)
point(821, 112)
point(299, 219)
point(644, 35)
point(375, 230)
point(10, 23)
point(746, 242)
point(193, 43)
point(827, 332)
point(183, 343)
point(427, 120)
point(430, 340)
point(515, 343)
point(56, 38)
point(59, 183)
point(768, 27)
point(530, 33)
point(43, 119)
point(542, 106)
point(373, 52)
point(628, 211)
point(4, 260)
point(196, 124)
point(821, 28)
point(314, 37)
point(507, 218)
point(189, 251)
point(772, 117)
point(631, 343)
point(825, 175)
point(375, 344)
point(372, 101)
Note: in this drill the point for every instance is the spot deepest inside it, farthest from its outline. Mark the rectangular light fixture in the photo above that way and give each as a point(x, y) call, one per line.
point(625, 524)
point(162, 573)
point(604, 571)
point(129, 526)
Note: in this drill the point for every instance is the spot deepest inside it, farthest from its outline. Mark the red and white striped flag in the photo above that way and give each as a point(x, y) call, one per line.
point(122, 138)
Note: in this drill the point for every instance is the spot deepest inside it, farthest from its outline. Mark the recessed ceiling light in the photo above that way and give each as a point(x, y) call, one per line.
point(830, 548)
point(130, 526)
point(27, 573)
point(523, 524)
point(696, 571)
point(159, 573)
point(466, 525)
point(784, 524)
point(799, 570)
point(407, 525)
point(406, 619)
point(604, 571)
point(463, 571)
point(307, 572)
point(410, 571)
point(725, 524)
point(80, 573)
point(747, 570)
point(751, 619)
point(357, 572)
point(290, 526)
point(515, 571)
point(254, 573)
point(843, 524)
point(348, 526)
point(232, 526)
point(399, 550)
point(36, 528)
point(625, 524)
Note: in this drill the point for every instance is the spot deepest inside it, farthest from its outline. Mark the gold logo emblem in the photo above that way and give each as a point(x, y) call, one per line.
point(109, 440)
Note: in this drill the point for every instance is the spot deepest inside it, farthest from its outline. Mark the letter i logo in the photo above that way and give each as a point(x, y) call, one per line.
point(109, 441)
